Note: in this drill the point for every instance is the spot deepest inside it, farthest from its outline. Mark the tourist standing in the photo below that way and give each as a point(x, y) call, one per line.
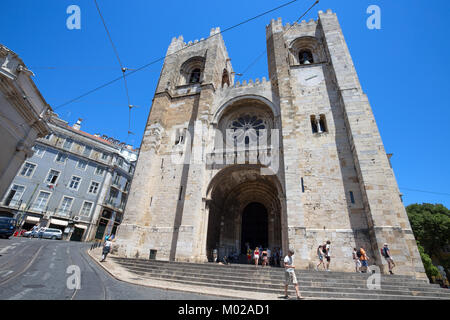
point(320, 256)
point(256, 256)
point(356, 260)
point(249, 255)
point(269, 256)
point(289, 275)
point(387, 255)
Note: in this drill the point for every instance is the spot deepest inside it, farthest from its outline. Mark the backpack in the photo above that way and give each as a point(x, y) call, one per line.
point(384, 252)
point(358, 253)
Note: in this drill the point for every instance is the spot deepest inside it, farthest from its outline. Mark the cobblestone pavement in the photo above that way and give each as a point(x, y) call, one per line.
point(39, 269)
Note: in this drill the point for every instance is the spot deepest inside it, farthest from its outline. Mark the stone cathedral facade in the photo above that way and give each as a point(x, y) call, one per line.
point(205, 180)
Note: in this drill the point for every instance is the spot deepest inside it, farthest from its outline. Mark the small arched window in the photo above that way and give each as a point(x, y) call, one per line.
point(195, 76)
point(225, 78)
point(305, 57)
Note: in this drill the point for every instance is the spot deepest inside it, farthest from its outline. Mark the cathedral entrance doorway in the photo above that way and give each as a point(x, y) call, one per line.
point(244, 208)
point(255, 232)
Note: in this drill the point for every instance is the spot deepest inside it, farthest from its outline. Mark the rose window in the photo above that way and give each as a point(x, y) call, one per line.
point(246, 128)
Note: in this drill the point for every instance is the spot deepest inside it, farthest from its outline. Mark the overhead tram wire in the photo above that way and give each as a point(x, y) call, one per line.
point(176, 52)
point(122, 68)
point(262, 53)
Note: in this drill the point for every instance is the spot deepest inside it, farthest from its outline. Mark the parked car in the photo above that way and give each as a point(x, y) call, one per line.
point(48, 233)
point(30, 233)
point(7, 227)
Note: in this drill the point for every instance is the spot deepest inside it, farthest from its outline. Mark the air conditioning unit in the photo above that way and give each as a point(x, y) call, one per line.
point(76, 218)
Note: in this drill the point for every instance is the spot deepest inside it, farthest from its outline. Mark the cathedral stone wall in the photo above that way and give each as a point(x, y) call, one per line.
point(332, 180)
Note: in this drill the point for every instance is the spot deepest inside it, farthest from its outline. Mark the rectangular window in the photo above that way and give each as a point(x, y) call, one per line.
point(14, 195)
point(104, 156)
point(314, 124)
point(74, 183)
point(86, 209)
point(116, 180)
point(41, 201)
point(65, 206)
point(68, 144)
point(52, 177)
point(38, 150)
point(112, 195)
point(127, 186)
point(352, 199)
point(87, 151)
point(120, 162)
point(47, 137)
point(81, 164)
point(99, 171)
point(27, 169)
point(61, 157)
point(93, 188)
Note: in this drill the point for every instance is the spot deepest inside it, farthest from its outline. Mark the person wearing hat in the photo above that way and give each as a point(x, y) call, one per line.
point(387, 255)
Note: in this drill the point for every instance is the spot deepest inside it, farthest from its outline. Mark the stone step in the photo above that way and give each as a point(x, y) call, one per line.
point(307, 293)
point(261, 287)
point(251, 268)
point(260, 272)
point(276, 280)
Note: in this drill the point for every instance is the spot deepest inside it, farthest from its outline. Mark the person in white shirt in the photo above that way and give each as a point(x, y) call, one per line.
point(328, 254)
point(106, 249)
point(290, 275)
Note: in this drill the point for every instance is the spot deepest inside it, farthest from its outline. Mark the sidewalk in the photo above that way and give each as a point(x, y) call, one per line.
point(120, 273)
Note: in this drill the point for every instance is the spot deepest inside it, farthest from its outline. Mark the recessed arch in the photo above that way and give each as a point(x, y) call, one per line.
point(307, 44)
point(220, 111)
point(234, 193)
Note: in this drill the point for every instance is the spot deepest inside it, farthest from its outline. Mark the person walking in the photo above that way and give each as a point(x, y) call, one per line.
point(356, 260)
point(328, 254)
point(364, 260)
point(289, 275)
point(106, 249)
point(256, 256)
point(264, 257)
point(320, 256)
point(269, 257)
point(387, 255)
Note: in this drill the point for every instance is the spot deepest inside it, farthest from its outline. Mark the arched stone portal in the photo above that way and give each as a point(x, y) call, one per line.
point(239, 195)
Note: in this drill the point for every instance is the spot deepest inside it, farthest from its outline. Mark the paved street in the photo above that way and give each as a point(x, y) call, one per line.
point(36, 269)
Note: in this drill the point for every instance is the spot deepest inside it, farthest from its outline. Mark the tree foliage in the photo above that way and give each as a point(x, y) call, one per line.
point(430, 268)
point(431, 226)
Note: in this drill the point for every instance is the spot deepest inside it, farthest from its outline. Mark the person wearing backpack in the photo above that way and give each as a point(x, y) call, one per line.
point(387, 255)
point(320, 255)
point(356, 255)
point(364, 260)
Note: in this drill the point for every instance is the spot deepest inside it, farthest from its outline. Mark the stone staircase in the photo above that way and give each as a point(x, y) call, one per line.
point(270, 280)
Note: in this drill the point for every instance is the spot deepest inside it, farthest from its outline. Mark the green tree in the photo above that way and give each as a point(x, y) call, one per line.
point(430, 268)
point(431, 226)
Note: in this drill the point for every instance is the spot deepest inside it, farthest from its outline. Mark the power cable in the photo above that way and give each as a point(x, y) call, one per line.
point(262, 53)
point(122, 68)
point(162, 58)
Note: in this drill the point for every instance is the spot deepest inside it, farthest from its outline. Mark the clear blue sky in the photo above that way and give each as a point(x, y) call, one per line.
point(403, 67)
